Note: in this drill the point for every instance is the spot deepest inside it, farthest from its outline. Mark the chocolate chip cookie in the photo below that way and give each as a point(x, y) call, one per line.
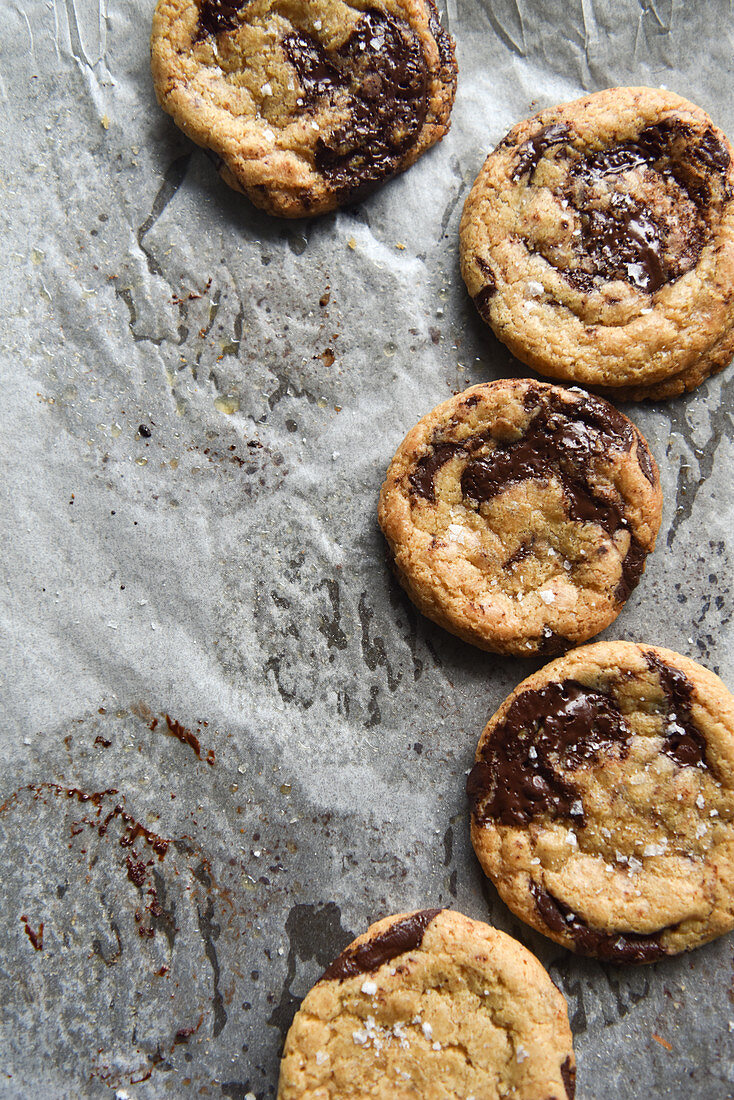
point(519, 515)
point(602, 802)
point(430, 1005)
point(307, 105)
point(598, 242)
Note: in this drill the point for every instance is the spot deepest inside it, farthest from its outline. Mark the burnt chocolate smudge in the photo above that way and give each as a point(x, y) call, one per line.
point(568, 1073)
point(683, 742)
point(404, 935)
point(563, 439)
point(380, 76)
point(218, 16)
point(620, 947)
point(531, 151)
point(562, 725)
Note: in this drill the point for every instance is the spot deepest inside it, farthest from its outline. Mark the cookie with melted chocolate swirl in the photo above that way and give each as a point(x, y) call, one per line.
point(519, 515)
point(305, 107)
point(431, 1004)
point(598, 243)
point(602, 802)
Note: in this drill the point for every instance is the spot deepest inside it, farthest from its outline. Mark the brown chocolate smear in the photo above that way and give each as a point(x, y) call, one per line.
point(647, 239)
point(218, 16)
point(441, 37)
point(426, 468)
point(488, 291)
point(404, 935)
point(530, 152)
point(651, 242)
point(379, 76)
point(568, 1073)
point(621, 947)
point(518, 776)
point(482, 300)
point(684, 742)
point(563, 439)
point(317, 73)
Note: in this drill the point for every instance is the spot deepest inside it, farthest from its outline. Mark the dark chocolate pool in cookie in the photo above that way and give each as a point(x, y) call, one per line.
point(307, 106)
point(519, 515)
point(598, 242)
point(602, 802)
point(430, 1005)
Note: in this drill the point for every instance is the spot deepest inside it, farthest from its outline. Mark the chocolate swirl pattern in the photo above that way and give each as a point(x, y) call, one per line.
point(520, 515)
point(306, 110)
point(598, 243)
point(602, 802)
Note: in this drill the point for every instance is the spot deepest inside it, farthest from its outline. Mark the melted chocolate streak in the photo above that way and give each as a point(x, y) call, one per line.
point(625, 241)
point(404, 935)
point(562, 439)
point(563, 725)
point(380, 74)
point(560, 725)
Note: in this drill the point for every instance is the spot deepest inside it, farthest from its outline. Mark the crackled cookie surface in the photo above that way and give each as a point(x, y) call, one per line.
point(309, 104)
point(602, 802)
point(519, 515)
point(598, 242)
point(429, 1006)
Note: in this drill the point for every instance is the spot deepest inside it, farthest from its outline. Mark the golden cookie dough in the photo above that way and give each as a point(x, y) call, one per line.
point(431, 1006)
point(603, 800)
point(308, 104)
point(519, 515)
point(598, 242)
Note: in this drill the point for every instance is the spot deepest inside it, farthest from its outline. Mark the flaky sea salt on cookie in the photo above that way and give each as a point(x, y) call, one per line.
point(602, 802)
point(311, 104)
point(519, 515)
point(430, 1005)
point(598, 242)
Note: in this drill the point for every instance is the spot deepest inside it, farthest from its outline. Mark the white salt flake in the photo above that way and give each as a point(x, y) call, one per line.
point(268, 134)
point(700, 802)
point(634, 864)
point(427, 1030)
point(533, 752)
point(456, 533)
point(321, 1057)
point(571, 839)
point(655, 849)
point(521, 1053)
point(360, 1037)
point(436, 1046)
point(534, 289)
point(266, 89)
point(317, 24)
point(577, 807)
point(547, 596)
point(701, 829)
point(370, 988)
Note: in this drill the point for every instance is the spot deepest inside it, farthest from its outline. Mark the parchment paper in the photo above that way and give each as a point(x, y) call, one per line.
point(199, 405)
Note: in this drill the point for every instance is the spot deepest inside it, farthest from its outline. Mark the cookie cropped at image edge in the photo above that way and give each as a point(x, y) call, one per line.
point(602, 802)
point(307, 106)
point(519, 515)
point(598, 243)
point(427, 1005)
